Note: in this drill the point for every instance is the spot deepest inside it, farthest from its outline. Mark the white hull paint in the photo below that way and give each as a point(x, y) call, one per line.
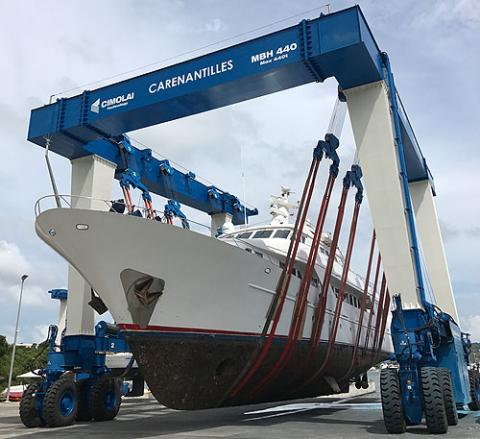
point(209, 284)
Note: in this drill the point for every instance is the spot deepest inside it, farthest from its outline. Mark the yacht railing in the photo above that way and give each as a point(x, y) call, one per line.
point(71, 201)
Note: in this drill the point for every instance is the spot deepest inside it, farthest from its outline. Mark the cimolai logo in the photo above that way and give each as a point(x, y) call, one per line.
point(111, 103)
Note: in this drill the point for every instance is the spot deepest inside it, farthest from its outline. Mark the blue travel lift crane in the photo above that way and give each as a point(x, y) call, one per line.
point(432, 377)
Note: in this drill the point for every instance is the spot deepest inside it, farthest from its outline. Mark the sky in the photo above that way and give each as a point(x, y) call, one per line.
point(50, 47)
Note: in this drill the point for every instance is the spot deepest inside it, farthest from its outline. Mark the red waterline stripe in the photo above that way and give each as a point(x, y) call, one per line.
point(137, 327)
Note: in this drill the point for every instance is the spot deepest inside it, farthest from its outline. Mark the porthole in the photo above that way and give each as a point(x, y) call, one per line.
point(82, 226)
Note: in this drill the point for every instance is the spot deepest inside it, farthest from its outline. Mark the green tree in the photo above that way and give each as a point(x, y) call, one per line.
point(26, 359)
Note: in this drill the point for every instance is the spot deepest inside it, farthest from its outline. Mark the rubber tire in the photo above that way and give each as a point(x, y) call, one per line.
point(51, 403)
point(100, 388)
point(448, 395)
point(393, 416)
point(433, 400)
point(84, 412)
point(28, 407)
point(474, 377)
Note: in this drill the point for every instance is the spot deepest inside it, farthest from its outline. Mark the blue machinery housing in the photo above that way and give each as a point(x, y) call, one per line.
point(338, 45)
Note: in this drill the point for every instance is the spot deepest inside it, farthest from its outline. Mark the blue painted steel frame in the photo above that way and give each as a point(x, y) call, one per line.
point(406, 191)
point(83, 354)
point(163, 179)
point(338, 44)
point(423, 339)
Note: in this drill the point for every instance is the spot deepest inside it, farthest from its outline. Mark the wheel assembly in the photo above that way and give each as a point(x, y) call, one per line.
point(84, 412)
point(474, 376)
point(29, 413)
point(390, 390)
point(105, 398)
point(448, 396)
point(434, 401)
point(60, 404)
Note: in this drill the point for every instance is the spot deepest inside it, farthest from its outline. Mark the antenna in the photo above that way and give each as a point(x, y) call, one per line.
point(244, 185)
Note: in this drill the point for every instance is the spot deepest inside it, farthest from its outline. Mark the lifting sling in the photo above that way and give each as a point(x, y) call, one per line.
point(328, 148)
point(276, 306)
point(363, 306)
point(352, 178)
point(381, 300)
point(372, 305)
point(386, 308)
point(299, 312)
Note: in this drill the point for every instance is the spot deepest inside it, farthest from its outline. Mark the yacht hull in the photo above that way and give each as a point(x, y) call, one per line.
point(192, 309)
point(199, 371)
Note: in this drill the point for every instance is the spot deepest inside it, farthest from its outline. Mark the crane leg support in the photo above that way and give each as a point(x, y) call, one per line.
point(92, 180)
point(432, 245)
point(370, 114)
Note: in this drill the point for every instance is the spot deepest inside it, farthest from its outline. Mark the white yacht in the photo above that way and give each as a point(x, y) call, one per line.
point(193, 307)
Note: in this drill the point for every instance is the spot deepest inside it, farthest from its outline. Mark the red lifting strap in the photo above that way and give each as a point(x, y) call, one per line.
point(128, 199)
point(372, 305)
point(379, 312)
point(340, 297)
point(149, 209)
point(319, 315)
point(276, 306)
point(363, 306)
point(298, 319)
point(386, 308)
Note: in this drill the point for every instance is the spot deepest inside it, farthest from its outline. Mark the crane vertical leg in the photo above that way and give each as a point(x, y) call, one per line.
point(62, 320)
point(218, 220)
point(92, 177)
point(432, 246)
point(371, 120)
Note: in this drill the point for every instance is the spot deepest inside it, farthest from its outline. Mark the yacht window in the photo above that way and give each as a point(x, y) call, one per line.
point(282, 233)
point(315, 282)
point(244, 235)
point(249, 250)
point(303, 239)
point(350, 299)
point(259, 254)
point(262, 234)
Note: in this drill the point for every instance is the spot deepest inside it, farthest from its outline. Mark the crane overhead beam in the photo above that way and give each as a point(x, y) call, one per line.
point(161, 178)
point(338, 45)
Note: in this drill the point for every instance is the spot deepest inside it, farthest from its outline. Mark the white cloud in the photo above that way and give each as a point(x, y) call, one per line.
point(445, 12)
point(472, 325)
point(215, 25)
point(12, 263)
